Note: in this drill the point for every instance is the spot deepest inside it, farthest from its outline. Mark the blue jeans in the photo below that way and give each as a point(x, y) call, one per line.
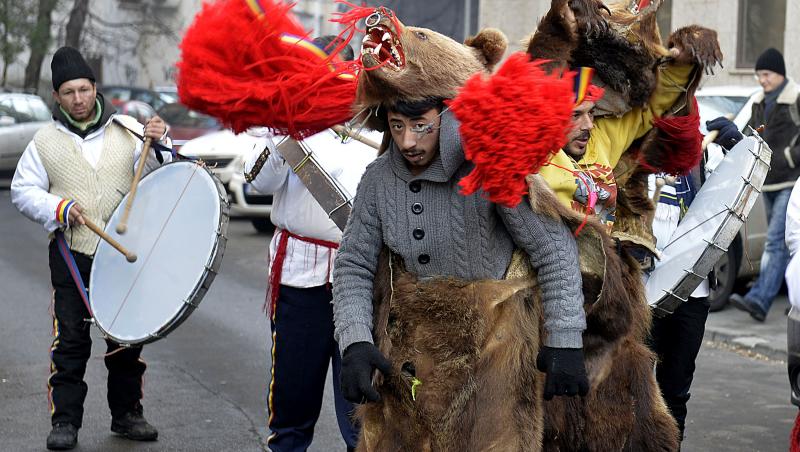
point(776, 256)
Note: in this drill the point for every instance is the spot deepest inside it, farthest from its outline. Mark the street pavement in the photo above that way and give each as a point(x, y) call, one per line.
point(206, 382)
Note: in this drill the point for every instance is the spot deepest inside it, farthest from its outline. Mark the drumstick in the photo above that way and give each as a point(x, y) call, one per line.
point(356, 136)
point(131, 257)
point(122, 226)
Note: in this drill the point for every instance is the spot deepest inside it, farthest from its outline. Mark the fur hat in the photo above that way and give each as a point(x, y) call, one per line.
point(771, 60)
point(68, 64)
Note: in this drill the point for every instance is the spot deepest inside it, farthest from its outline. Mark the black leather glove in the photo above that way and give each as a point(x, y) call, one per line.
point(729, 134)
point(566, 373)
point(358, 361)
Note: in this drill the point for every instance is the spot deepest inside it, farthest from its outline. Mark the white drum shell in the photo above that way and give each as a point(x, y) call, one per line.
point(177, 228)
point(717, 213)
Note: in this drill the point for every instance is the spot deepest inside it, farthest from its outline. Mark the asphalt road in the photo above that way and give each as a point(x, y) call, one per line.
point(206, 382)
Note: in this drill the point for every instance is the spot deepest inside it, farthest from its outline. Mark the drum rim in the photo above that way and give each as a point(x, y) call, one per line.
point(198, 292)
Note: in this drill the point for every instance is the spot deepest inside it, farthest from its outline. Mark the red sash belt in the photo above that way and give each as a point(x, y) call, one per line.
point(276, 270)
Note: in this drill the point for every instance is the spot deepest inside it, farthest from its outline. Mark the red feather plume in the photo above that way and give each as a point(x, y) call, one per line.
point(249, 63)
point(678, 143)
point(511, 123)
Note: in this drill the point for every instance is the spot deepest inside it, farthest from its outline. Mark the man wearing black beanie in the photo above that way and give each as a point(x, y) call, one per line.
point(776, 108)
point(79, 167)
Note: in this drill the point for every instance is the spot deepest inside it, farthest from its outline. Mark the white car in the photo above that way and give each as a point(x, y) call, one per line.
point(738, 262)
point(224, 152)
point(21, 115)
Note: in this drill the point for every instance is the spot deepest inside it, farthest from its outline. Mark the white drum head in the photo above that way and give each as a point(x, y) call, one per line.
point(173, 229)
point(711, 223)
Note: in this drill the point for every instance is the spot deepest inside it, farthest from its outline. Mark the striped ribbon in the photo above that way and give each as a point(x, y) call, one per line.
point(62, 211)
point(69, 259)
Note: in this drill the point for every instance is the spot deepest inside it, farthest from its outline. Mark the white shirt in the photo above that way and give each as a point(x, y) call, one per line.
point(665, 222)
point(295, 209)
point(30, 188)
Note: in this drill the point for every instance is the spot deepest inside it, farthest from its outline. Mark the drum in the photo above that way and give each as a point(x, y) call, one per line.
point(717, 213)
point(177, 228)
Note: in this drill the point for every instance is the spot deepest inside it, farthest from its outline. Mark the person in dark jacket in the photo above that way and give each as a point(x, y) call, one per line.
point(776, 108)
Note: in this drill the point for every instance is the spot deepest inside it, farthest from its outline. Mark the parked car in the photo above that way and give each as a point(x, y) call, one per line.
point(225, 152)
point(186, 124)
point(21, 115)
point(743, 258)
point(118, 95)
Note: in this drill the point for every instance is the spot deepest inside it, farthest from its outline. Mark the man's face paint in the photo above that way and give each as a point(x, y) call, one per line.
point(417, 138)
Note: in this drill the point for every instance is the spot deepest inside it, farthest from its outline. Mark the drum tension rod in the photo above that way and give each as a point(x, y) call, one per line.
point(724, 250)
point(741, 217)
point(346, 202)
point(190, 303)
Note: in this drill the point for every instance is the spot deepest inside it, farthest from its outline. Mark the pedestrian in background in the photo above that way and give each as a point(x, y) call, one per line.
point(299, 297)
point(80, 166)
point(776, 108)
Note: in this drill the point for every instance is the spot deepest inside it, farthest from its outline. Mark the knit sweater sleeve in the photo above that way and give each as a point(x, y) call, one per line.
point(554, 254)
point(356, 264)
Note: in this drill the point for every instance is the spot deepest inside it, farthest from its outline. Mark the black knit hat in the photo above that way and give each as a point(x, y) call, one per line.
point(68, 64)
point(771, 60)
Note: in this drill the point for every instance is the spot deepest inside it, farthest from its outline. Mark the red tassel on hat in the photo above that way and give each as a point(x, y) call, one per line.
point(511, 123)
point(250, 63)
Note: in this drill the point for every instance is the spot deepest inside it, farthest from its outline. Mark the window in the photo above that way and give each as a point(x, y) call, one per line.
point(761, 26)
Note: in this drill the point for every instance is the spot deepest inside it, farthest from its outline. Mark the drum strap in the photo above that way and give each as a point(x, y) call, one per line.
point(276, 270)
point(69, 259)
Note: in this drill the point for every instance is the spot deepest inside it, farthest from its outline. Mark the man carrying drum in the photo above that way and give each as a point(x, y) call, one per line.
point(73, 174)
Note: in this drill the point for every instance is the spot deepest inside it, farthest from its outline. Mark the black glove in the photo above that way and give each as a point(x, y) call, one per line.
point(729, 134)
point(566, 373)
point(358, 361)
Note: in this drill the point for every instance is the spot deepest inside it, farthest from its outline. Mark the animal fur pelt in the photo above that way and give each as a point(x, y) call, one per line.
point(473, 347)
point(624, 409)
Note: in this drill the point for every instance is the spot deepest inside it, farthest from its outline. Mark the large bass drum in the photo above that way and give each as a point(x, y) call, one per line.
point(177, 229)
point(717, 213)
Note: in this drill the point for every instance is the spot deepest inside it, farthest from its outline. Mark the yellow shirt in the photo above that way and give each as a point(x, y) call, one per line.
point(592, 177)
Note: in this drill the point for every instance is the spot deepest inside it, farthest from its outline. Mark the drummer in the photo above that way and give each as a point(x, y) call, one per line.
point(79, 167)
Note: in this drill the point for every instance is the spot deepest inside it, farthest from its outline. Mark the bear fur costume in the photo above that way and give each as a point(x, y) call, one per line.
point(473, 344)
point(624, 46)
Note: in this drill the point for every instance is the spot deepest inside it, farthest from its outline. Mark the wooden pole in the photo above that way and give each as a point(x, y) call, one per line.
point(122, 226)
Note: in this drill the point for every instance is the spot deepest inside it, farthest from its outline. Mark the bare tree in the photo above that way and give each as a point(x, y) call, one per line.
point(15, 20)
point(39, 42)
point(77, 18)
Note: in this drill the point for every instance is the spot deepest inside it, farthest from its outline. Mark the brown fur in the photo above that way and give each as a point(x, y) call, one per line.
point(624, 409)
point(473, 345)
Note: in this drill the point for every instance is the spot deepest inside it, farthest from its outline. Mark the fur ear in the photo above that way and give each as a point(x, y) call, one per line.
point(490, 44)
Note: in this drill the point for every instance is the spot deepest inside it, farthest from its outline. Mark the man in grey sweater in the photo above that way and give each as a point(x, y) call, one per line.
point(409, 201)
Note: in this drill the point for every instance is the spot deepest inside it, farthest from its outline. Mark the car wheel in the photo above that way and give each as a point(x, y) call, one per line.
point(725, 272)
point(263, 225)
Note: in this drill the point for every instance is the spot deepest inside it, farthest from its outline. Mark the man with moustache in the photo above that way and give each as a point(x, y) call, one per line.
point(79, 167)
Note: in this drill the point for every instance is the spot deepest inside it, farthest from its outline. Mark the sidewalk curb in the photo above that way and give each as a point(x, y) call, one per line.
point(755, 344)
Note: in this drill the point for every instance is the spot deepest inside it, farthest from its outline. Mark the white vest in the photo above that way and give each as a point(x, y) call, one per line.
point(97, 191)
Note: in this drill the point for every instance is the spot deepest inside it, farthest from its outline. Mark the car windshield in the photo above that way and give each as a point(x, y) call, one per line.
point(715, 106)
point(177, 115)
point(24, 108)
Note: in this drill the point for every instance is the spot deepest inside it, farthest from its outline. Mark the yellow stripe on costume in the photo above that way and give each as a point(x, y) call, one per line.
point(305, 44)
point(582, 80)
point(257, 9)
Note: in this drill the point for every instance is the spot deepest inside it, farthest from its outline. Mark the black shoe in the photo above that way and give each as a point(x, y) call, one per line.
point(132, 425)
point(64, 436)
point(748, 306)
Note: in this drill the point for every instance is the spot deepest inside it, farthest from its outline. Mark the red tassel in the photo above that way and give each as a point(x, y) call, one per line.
point(241, 63)
point(794, 441)
point(511, 122)
point(679, 144)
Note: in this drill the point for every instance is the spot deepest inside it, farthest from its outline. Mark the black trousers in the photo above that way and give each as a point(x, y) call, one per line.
point(676, 340)
point(72, 346)
point(302, 348)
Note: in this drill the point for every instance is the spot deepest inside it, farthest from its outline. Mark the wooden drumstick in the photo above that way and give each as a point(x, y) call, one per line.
point(356, 136)
point(122, 226)
point(131, 257)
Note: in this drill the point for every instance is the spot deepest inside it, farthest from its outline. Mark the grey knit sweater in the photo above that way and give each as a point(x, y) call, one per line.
point(439, 232)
